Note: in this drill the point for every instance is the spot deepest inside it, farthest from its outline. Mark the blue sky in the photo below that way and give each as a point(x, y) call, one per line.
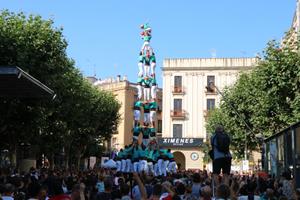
point(103, 35)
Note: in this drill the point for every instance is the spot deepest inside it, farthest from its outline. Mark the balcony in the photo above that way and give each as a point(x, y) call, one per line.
point(178, 90)
point(210, 91)
point(178, 114)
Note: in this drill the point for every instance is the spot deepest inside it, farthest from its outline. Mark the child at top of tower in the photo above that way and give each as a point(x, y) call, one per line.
point(146, 33)
point(146, 36)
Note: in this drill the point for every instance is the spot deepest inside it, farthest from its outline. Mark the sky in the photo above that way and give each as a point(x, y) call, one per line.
point(104, 35)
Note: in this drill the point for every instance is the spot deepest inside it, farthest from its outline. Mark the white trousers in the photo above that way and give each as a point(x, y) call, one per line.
point(136, 166)
point(140, 91)
point(161, 166)
point(143, 166)
point(147, 118)
point(141, 66)
point(119, 165)
point(166, 163)
point(172, 167)
point(146, 70)
point(156, 170)
point(123, 169)
point(128, 165)
point(137, 115)
point(146, 46)
point(152, 116)
point(153, 65)
point(146, 94)
point(153, 91)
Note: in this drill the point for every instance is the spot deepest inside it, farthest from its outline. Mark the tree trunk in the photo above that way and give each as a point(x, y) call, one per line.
point(13, 155)
point(67, 154)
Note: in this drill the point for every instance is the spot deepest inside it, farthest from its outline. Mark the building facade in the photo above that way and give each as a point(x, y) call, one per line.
point(292, 36)
point(126, 93)
point(187, 100)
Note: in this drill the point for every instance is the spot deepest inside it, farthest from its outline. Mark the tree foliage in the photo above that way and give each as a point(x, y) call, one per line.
point(78, 116)
point(263, 101)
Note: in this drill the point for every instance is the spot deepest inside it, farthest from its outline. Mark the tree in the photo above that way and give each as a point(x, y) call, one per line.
point(263, 101)
point(78, 115)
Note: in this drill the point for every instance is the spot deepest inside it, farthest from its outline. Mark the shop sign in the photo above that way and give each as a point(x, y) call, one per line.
point(180, 142)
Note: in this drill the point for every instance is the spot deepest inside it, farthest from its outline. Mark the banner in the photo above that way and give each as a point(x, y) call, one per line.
point(180, 142)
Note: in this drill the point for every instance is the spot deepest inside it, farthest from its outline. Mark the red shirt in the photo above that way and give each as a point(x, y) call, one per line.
point(61, 197)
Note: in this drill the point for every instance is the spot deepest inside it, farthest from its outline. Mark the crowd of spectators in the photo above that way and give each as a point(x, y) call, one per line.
point(108, 184)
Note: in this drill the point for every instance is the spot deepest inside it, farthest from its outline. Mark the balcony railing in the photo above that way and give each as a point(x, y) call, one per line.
point(178, 90)
point(178, 114)
point(210, 90)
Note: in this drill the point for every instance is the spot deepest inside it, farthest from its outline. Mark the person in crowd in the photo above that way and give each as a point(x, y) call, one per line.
point(8, 192)
point(223, 192)
point(172, 167)
point(196, 186)
point(106, 195)
point(220, 143)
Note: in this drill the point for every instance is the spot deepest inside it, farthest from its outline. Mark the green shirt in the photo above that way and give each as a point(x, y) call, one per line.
point(141, 58)
point(136, 129)
point(140, 80)
point(153, 81)
point(142, 153)
point(147, 82)
point(146, 26)
point(146, 132)
point(138, 104)
point(155, 155)
point(164, 151)
point(127, 151)
point(146, 107)
point(153, 105)
point(135, 154)
point(121, 155)
point(170, 155)
point(147, 38)
point(153, 59)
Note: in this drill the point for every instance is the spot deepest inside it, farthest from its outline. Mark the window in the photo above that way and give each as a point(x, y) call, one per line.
point(159, 105)
point(210, 79)
point(177, 130)
point(210, 104)
point(177, 104)
point(159, 126)
point(178, 81)
point(210, 83)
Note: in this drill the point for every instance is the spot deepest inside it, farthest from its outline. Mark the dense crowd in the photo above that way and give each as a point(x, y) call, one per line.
point(106, 184)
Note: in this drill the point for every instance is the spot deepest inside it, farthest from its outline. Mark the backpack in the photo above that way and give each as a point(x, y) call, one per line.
point(223, 142)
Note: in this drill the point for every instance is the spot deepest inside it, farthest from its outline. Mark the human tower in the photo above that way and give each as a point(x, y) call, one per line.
point(144, 155)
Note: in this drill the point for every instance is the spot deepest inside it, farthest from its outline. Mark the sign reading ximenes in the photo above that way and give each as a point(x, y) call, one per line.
point(182, 142)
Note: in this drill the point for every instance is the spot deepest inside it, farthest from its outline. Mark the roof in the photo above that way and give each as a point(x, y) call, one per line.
point(293, 126)
point(14, 82)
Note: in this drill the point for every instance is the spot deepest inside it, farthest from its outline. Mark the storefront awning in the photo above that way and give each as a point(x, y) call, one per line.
point(14, 82)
